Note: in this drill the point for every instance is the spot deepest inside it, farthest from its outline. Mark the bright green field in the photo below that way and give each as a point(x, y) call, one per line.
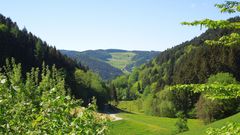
point(140, 124)
point(121, 59)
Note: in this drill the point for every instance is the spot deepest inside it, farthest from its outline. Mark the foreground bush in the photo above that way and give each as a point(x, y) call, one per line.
point(40, 105)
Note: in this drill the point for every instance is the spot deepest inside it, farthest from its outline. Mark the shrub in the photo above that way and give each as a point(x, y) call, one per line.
point(165, 103)
point(181, 123)
point(166, 109)
point(208, 110)
point(222, 78)
point(148, 105)
point(40, 105)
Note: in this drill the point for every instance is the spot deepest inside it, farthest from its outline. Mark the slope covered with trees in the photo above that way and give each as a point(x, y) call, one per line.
point(192, 62)
point(189, 62)
point(199, 78)
point(31, 51)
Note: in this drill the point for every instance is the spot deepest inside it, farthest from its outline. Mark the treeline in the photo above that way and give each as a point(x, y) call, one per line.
point(192, 62)
point(31, 51)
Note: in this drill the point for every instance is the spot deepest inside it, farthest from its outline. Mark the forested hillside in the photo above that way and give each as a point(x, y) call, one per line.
point(192, 62)
point(112, 62)
point(189, 62)
point(31, 51)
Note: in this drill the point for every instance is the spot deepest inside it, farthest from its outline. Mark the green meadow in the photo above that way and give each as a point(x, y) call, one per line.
point(121, 59)
point(140, 124)
point(137, 123)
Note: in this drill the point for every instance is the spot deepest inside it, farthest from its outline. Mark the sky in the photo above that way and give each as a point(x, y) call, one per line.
point(111, 24)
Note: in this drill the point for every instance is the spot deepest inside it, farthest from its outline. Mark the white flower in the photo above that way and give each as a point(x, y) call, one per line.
point(52, 90)
point(26, 103)
point(16, 88)
point(80, 114)
point(68, 97)
point(3, 81)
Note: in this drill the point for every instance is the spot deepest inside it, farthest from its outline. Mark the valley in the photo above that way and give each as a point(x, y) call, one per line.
point(192, 88)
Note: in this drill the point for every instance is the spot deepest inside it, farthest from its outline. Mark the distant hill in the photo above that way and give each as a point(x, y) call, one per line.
point(111, 62)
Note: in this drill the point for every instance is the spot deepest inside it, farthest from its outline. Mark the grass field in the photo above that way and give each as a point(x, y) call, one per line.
point(140, 124)
point(121, 59)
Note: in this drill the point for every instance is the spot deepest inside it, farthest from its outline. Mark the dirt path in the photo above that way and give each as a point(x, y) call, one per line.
point(114, 117)
point(112, 112)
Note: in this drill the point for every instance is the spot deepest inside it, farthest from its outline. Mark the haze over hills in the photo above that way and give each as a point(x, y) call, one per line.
point(111, 62)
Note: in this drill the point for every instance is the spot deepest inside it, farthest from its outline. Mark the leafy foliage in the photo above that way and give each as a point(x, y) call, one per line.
point(229, 129)
point(232, 39)
point(218, 91)
point(229, 7)
point(93, 87)
point(201, 130)
point(40, 105)
point(222, 78)
point(219, 97)
point(228, 40)
point(211, 110)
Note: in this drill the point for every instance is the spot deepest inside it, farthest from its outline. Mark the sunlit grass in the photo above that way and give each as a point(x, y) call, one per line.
point(121, 59)
point(140, 124)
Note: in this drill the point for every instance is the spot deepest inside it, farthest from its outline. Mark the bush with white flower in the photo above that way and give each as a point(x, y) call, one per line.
point(39, 104)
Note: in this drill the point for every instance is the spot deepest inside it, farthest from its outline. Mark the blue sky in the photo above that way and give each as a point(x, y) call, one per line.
point(102, 24)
